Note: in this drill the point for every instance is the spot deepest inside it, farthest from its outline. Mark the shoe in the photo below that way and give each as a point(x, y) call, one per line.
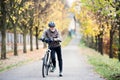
point(60, 74)
point(53, 69)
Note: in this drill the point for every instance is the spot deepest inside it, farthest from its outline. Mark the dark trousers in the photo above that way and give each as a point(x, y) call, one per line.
point(56, 50)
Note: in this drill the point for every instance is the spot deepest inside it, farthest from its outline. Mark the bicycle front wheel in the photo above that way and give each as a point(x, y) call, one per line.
point(44, 69)
point(45, 66)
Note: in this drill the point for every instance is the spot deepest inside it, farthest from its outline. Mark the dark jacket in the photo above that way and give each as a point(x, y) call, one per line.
point(52, 35)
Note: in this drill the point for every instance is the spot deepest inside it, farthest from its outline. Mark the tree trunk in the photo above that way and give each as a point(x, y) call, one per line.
point(96, 44)
point(31, 41)
point(111, 43)
point(75, 23)
point(24, 42)
point(92, 42)
point(15, 40)
point(118, 23)
point(3, 25)
point(100, 44)
point(119, 45)
point(37, 38)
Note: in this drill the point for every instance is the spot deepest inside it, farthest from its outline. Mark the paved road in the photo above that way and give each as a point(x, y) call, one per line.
point(75, 68)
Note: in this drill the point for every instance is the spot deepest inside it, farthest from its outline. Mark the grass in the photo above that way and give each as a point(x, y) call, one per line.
point(66, 41)
point(106, 67)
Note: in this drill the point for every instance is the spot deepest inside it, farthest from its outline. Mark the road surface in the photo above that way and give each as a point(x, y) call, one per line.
point(75, 67)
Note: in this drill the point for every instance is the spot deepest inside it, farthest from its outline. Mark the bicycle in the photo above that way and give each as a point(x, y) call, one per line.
point(47, 63)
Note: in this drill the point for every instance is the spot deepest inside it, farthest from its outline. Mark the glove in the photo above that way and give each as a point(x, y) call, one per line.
point(57, 39)
point(48, 40)
point(42, 39)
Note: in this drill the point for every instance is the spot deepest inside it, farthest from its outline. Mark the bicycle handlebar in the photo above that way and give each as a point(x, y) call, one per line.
point(47, 40)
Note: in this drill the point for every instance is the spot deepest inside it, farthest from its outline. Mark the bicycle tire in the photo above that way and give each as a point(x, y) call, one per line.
point(43, 69)
point(46, 64)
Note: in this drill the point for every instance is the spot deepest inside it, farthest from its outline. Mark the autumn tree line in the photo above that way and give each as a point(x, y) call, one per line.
point(100, 24)
point(30, 17)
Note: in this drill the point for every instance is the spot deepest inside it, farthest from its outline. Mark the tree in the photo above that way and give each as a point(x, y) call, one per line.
point(40, 9)
point(26, 22)
point(31, 29)
point(118, 23)
point(13, 12)
point(105, 14)
point(3, 30)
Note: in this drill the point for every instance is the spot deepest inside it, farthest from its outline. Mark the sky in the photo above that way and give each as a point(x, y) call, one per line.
point(70, 2)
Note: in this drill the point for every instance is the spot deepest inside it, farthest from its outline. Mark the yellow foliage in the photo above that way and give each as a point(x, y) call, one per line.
point(43, 4)
point(58, 15)
point(89, 27)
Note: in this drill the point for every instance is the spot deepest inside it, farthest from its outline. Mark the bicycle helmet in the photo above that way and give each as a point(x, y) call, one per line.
point(51, 24)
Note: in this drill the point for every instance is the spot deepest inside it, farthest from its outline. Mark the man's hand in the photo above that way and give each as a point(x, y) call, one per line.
point(42, 39)
point(57, 39)
point(48, 40)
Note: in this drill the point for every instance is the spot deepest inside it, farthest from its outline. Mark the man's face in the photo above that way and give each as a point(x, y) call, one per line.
point(52, 29)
